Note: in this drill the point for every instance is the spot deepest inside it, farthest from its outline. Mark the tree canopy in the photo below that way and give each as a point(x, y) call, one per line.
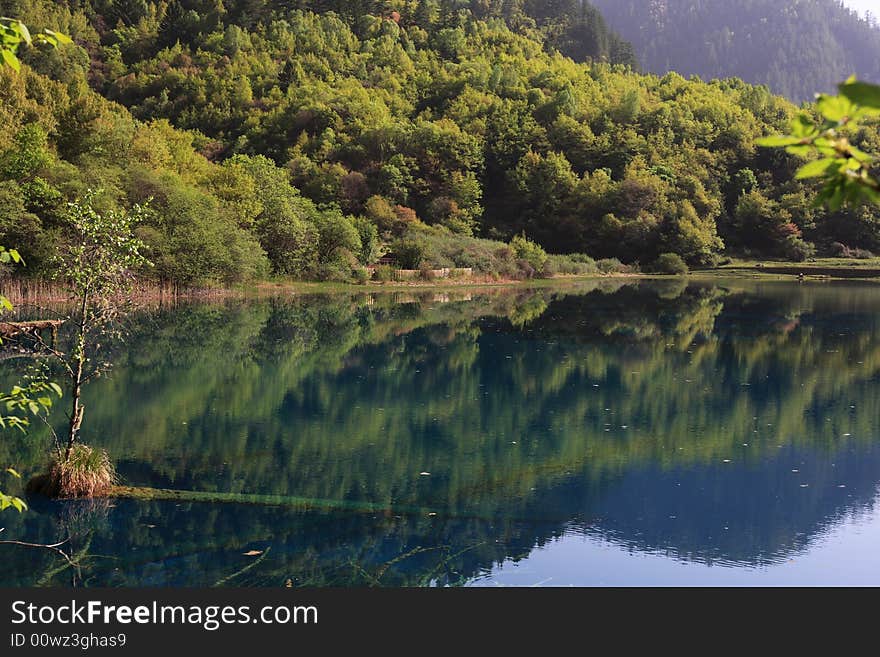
point(270, 135)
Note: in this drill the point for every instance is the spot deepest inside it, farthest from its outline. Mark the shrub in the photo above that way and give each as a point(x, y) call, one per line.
point(573, 265)
point(426, 273)
point(552, 267)
point(796, 249)
point(843, 251)
point(529, 251)
point(582, 258)
point(360, 275)
point(670, 263)
point(410, 253)
point(383, 273)
point(610, 266)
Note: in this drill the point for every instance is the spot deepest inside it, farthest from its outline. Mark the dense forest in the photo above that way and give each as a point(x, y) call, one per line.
point(797, 47)
point(305, 139)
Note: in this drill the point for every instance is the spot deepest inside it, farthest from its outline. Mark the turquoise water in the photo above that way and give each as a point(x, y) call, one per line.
point(621, 433)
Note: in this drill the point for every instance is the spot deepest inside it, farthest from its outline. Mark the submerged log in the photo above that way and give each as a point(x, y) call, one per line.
point(287, 501)
point(12, 329)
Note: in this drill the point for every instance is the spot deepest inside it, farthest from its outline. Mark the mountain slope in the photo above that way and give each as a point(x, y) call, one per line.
point(424, 130)
point(796, 47)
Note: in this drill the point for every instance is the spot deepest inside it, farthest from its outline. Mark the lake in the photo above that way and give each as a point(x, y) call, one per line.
point(616, 432)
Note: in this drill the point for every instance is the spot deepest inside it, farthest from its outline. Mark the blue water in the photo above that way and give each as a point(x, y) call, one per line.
point(606, 433)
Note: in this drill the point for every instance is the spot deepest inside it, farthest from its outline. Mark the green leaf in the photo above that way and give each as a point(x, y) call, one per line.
point(835, 108)
point(861, 156)
point(60, 37)
point(818, 168)
point(55, 387)
point(802, 126)
point(775, 141)
point(861, 93)
point(10, 59)
point(801, 150)
point(24, 32)
point(13, 472)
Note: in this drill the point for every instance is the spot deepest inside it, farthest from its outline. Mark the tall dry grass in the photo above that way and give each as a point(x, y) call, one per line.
point(86, 472)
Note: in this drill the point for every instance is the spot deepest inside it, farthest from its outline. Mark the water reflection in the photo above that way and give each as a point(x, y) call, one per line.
point(717, 425)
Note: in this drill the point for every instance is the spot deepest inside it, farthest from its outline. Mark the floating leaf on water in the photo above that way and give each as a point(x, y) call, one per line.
point(253, 553)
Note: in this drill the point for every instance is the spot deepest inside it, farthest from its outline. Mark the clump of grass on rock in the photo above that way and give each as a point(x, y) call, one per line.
point(85, 472)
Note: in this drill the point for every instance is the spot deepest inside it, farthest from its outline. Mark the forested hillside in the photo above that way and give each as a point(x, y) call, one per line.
point(797, 47)
point(285, 138)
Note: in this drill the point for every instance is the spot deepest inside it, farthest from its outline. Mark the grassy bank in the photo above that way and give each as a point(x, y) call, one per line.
point(23, 293)
point(868, 268)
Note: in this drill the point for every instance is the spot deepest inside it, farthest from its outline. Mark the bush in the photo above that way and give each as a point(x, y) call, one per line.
point(582, 258)
point(551, 267)
point(360, 275)
point(796, 249)
point(670, 263)
point(839, 250)
point(426, 274)
point(410, 253)
point(610, 266)
point(529, 251)
point(383, 273)
point(572, 265)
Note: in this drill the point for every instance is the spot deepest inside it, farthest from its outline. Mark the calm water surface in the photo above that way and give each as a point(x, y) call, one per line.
point(643, 433)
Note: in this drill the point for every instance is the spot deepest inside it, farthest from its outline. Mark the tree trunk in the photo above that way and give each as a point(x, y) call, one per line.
point(77, 409)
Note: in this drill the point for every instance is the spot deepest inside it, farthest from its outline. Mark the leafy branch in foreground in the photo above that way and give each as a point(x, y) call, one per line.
point(8, 256)
point(847, 172)
point(13, 33)
point(33, 398)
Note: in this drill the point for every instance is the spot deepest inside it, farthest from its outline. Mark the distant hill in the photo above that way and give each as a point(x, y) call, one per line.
point(797, 47)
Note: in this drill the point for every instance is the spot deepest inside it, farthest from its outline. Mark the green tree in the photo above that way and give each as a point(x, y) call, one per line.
point(371, 248)
point(32, 397)
point(97, 265)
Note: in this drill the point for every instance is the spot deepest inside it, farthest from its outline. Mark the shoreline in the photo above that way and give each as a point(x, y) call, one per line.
point(26, 294)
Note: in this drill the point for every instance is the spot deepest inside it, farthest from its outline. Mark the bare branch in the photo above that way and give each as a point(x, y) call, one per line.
point(53, 547)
